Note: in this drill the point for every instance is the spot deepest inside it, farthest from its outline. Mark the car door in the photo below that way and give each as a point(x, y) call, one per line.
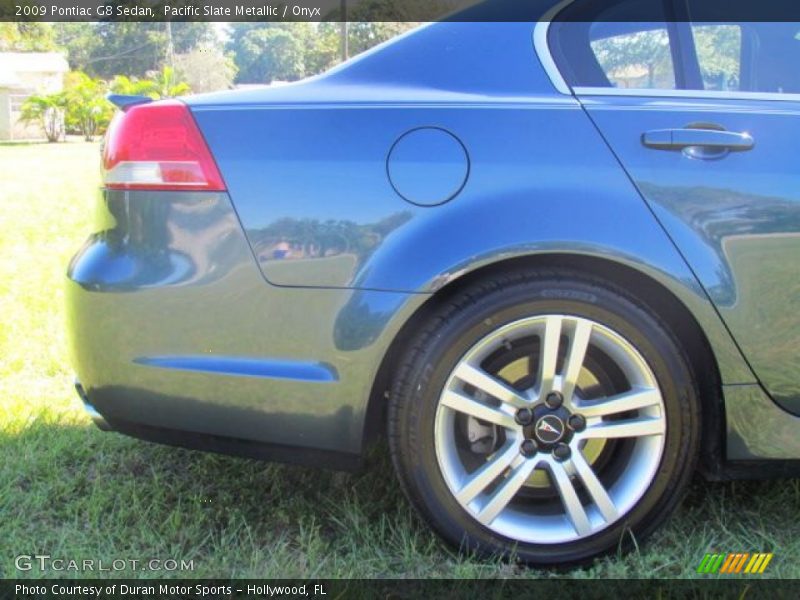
point(705, 119)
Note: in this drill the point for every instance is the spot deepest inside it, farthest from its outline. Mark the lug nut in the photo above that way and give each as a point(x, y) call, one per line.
point(562, 452)
point(528, 448)
point(554, 400)
point(576, 422)
point(524, 416)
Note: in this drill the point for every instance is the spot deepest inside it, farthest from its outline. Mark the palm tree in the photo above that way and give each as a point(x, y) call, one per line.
point(163, 84)
point(167, 85)
point(48, 110)
point(87, 109)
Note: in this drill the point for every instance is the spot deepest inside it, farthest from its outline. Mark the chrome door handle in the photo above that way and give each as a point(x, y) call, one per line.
point(678, 139)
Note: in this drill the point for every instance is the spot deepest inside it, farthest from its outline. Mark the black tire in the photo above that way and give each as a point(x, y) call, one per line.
point(470, 315)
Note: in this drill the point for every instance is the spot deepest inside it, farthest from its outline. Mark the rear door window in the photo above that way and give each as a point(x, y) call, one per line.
point(749, 57)
point(719, 55)
point(606, 46)
point(603, 46)
point(633, 55)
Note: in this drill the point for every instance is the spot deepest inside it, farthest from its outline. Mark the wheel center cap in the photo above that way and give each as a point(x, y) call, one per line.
point(549, 429)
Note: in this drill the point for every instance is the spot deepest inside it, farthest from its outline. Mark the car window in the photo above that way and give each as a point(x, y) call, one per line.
point(749, 57)
point(773, 61)
point(719, 55)
point(602, 45)
point(637, 57)
point(605, 45)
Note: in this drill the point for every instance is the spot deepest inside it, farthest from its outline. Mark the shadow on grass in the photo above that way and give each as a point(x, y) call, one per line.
point(73, 489)
point(27, 143)
point(86, 491)
point(82, 456)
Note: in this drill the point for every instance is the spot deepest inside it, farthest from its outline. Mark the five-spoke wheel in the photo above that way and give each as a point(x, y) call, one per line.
point(554, 418)
point(545, 424)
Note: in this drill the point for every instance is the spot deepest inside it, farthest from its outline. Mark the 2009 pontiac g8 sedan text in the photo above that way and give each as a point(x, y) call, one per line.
point(561, 278)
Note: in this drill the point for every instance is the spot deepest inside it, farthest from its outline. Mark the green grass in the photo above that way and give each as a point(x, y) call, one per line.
point(71, 491)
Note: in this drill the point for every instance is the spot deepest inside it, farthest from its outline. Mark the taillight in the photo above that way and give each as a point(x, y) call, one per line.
point(158, 147)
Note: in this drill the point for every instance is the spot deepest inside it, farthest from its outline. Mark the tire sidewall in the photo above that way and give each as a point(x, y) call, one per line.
point(458, 334)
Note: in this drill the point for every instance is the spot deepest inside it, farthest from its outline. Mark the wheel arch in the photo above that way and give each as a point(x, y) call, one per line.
point(658, 297)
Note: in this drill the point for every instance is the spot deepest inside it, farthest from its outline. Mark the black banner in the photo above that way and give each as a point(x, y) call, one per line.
point(586, 589)
point(390, 10)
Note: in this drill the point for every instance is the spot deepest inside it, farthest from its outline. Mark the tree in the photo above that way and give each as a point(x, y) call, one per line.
point(81, 107)
point(48, 111)
point(77, 40)
point(206, 69)
point(269, 51)
point(135, 48)
point(718, 50)
point(132, 86)
point(166, 84)
point(87, 110)
point(27, 37)
point(619, 55)
point(162, 84)
point(364, 35)
point(323, 48)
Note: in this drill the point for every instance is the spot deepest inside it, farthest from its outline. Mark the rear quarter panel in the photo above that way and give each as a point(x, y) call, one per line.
point(308, 162)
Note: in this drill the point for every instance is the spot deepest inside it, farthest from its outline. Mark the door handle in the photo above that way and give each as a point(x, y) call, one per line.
point(712, 139)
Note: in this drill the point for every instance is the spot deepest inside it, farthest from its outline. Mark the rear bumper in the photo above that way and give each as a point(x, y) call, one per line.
point(223, 445)
point(175, 335)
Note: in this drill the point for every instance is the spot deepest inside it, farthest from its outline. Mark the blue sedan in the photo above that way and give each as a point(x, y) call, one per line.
point(554, 263)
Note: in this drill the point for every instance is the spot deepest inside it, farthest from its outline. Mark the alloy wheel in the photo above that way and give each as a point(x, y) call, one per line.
point(586, 423)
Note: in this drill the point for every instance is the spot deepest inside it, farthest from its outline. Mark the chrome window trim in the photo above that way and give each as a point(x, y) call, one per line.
point(542, 48)
point(691, 94)
point(543, 51)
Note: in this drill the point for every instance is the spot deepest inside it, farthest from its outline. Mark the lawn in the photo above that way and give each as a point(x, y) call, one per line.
point(71, 491)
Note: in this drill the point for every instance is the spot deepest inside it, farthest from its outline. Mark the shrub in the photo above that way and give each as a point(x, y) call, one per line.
point(47, 110)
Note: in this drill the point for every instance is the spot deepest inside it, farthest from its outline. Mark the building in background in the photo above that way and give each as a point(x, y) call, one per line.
point(23, 74)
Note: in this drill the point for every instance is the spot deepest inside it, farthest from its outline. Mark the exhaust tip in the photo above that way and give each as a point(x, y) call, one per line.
point(97, 418)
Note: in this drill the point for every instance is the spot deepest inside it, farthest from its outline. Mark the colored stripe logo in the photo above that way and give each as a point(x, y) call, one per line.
point(735, 562)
